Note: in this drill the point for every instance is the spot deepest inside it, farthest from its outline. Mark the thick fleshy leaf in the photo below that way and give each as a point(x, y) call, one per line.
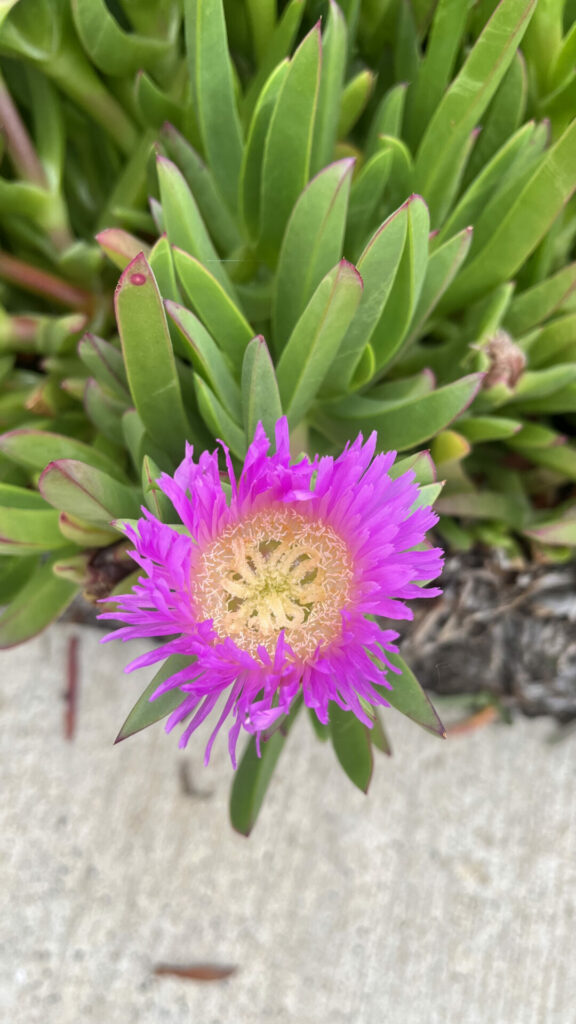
point(15, 571)
point(104, 409)
point(28, 525)
point(377, 266)
point(436, 67)
point(218, 420)
point(105, 363)
point(114, 51)
point(388, 117)
point(86, 535)
point(88, 493)
point(215, 214)
point(391, 328)
point(120, 246)
point(557, 531)
point(278, 50)
point(352, 746)
point(521, 150)
point(441, 269)
point(34, 449)
point(145, 711)
point(516, 235)
point(206, 357)
point(254, 774)
point(155, 106)
point(316, 338)
point(539, 383)
point(463, 104)
point(260, 395)
point(211, 78)
point(400, 425)
point(286, 163)
point(531, 307)
point(38, 603)
point(483, 505)
point(553, 343)
point(353, 100)
point(334, 56)
point(488, 428)
point(251, 171)
point(155, 499)
point(408, 697)
point(560, 458)
point(183, 222)
point(312, 245)
point(149, 358)
point(503, 117)
point(366, 197)
point(226, 323)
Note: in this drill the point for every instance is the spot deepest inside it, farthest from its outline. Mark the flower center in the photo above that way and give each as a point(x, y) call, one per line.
point(275, 571)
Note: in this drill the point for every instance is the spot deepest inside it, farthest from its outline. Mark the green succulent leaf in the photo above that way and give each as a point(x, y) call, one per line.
point(536, 304)
point(556, 531)
point(312, 245)
point(114, 51)
point(390, 330)
point(211, 78)
point(316, 338)
point(436, 67)
point(252, 162)
point(28, 525)
point(353, 100)
point(408, 697)
point(260, 394)
point(278, 50)
point(105, 363)
point(254, 774)
point(377, 266)
point(183, 223)
point(88, 493)
point(352, 746)
point(40, 601)
point(400, 425)
point(202, 184)
point(488, 428)
point(214, 306)
point(218, 420)
point(34, 449)
point(441, 269)
point(207, 357)
point(15, 571)
point(516, 235)
point(149, 359)
point(287, 153)
point(333, 68)
point(147, 712)
point(463, 104)
point(366, 198)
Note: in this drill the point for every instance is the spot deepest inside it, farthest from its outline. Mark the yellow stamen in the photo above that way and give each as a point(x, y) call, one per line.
point(275, 571)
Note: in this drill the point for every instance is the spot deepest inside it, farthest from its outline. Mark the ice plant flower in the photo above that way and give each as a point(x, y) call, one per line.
point(274, 583)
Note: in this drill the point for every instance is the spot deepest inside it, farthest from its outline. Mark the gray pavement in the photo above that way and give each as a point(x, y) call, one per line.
point(447, 896)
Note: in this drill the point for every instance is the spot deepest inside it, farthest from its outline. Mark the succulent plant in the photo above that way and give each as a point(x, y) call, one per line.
point(358, 215)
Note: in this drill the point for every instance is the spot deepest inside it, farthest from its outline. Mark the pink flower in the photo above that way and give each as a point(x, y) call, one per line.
point(275, 589)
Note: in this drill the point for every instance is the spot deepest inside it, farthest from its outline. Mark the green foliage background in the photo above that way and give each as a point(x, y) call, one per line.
point(359, 214)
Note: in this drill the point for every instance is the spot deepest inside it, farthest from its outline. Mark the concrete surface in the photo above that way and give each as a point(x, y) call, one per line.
point(448, 895)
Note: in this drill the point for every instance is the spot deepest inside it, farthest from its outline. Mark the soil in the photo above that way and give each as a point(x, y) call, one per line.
point(509, 634)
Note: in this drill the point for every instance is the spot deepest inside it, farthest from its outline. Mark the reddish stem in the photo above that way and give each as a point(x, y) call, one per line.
point(40, 282)
point(18, 143)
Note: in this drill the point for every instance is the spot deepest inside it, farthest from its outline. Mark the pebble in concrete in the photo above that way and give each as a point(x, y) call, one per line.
point(448, 895)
